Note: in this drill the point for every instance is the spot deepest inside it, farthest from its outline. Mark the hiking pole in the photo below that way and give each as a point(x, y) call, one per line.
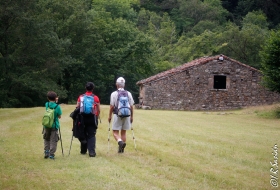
point(133, 138)
point(61, 141)
point(109, 137)
point(70, 145)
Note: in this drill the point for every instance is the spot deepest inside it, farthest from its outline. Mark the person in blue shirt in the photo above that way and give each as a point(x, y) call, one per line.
point(50, 135)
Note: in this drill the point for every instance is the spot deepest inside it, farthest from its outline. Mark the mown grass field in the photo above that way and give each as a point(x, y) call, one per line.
point(175, 150)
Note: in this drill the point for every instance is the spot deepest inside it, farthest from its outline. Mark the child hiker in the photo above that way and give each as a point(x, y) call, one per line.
point(50, 134)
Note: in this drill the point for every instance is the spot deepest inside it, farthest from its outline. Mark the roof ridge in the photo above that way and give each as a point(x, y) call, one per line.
point(183, 67)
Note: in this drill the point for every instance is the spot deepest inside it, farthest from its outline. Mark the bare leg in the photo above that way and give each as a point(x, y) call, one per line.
point(123, 135)
point(116, 135)
point(120, 139)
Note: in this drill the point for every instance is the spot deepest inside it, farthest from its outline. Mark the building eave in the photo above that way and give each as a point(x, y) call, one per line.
point(188, 65)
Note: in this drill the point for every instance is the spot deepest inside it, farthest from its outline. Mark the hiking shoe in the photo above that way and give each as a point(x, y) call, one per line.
point(92, 155)
point(47, 154)
point(124, 144)
point(51, 157)
point(121, 146)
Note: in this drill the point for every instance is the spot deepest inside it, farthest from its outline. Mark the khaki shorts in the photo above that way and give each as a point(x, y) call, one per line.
point(121, 123)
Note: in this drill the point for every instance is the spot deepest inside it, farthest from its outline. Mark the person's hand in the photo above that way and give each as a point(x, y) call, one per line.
point(109, 119)
point(131, 119)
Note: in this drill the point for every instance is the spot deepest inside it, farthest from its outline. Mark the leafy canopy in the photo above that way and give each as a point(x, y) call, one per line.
point(271, 61)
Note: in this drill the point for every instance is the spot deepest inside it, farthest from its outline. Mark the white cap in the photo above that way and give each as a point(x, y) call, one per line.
point(120, 80)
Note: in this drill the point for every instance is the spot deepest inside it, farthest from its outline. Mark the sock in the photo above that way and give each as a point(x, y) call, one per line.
point(119, 140)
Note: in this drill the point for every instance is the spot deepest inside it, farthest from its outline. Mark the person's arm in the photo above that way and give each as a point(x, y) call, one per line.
point(78, 102)
point(59, 112)
point(96, 106)
point(131, 103)
point(131, 115)
point(111, 109)
point(98, 109)
point(110, 113)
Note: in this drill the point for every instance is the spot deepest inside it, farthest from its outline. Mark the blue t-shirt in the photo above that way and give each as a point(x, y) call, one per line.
point(57, 113)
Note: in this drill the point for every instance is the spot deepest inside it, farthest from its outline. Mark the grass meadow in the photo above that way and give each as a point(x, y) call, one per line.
point(174, 150)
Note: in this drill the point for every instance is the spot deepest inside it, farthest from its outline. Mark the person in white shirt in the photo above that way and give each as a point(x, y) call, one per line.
point(120, 124)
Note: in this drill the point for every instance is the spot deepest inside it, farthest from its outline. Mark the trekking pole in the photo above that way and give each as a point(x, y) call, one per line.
point(133, 138)
point(109, 137)
point(61, 141)
point(70, 145)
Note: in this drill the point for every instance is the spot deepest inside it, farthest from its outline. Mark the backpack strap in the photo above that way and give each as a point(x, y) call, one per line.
point(119, 94)
point(116, 104)
point(118, 91)
point(90, 95)
point(55, 115)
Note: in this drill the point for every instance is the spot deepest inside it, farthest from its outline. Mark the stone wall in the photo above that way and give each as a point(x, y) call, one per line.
point(193, 88)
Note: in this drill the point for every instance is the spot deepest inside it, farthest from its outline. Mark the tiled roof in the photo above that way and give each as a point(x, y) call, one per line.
point(190, 64)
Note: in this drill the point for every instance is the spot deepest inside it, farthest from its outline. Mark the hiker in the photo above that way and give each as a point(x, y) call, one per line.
point(120, 123)
point(89, 105)
point(50, 135)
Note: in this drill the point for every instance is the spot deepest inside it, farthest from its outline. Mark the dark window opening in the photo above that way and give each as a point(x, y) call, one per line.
point(220, 82)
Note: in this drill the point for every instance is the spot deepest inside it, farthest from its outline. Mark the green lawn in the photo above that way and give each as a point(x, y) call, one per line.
point(175, 150)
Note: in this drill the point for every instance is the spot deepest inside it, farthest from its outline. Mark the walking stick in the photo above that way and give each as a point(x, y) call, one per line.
point(61, 141)
point(133, 138)
point(109, 137)
point(70, 145)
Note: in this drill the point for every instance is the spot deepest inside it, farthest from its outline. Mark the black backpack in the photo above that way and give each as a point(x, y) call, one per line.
point(78, 124)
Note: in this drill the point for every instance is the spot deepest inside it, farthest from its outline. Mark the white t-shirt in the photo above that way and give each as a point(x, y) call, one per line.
point(114, 98)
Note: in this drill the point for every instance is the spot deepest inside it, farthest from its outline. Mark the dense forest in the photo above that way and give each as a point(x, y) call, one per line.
point(59, 45)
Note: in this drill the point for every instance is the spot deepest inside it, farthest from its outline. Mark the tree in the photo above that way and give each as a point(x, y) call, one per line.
point(238, 9)
point(164, 36)
point(191, 12)
point(159, 6)
point(118, 8)
point(245, 44)
point(71, 22)
point(271, 61)
point(31, 55)
point(205, 44)
point(114, 47)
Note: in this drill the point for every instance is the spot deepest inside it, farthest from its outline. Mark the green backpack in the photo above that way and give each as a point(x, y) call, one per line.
point(48, 118)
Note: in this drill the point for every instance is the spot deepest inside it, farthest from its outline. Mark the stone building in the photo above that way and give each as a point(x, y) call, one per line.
point(207, 83)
